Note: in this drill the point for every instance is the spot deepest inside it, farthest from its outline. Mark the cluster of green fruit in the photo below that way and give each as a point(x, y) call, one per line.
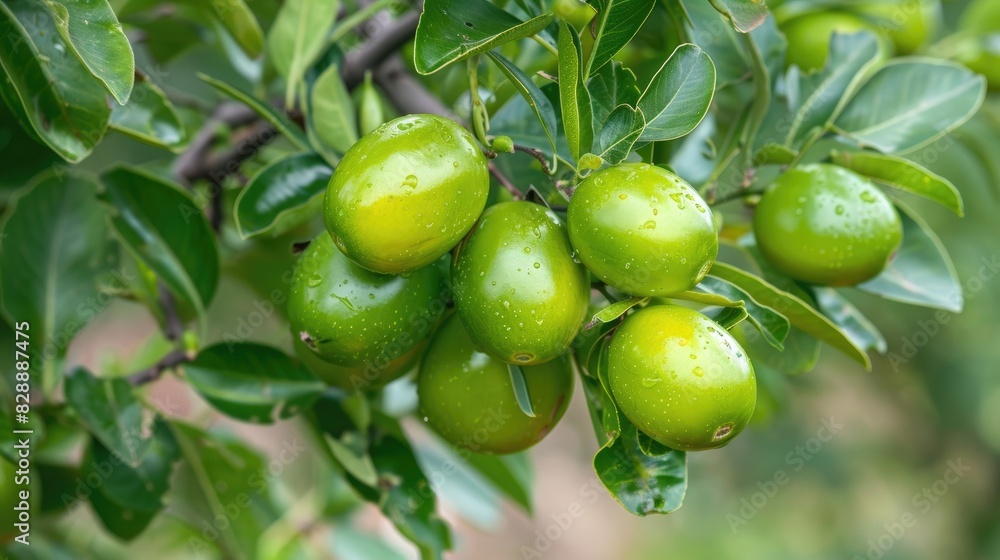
point(369, 301)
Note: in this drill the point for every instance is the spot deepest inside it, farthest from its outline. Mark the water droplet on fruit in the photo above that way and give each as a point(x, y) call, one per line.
point(623, 196)
point(868, 197)
point(314, 281)
point(527, 249)
point(839, 210)
point(410, 181)
point(537, 265)
point(698, 371)
point(650, 381)
point(650, 224)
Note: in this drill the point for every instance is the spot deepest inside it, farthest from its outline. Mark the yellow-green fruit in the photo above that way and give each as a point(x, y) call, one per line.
point(467, 396)
point(352, 316)
point(517, 288)
point(681, 378)
point(827, 225)
point(406, 193)
point(908, 23)
point(642, 229)
point(809, 36)
point(576, 12)
point(981, 22)
point(359, 378)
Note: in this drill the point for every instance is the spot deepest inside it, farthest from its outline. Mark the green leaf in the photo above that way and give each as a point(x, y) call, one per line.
point(91, 29)
point(279, 120)
point(798, 312)
point(510, 474)
point(214, 477)
point(109, 411)
point(351, 452)
point(517, 120)
point(150, 117)
point(577, 115)
point(774, 154)
point(288, 185)
point(921, 273)
point(727, 317)
point(679, 95)
point(772, 325)
point(532, 95)
point(55, 251)
point(745, 15)
point(641, 483)
point(252, 382)
point(297, 37)
point(65, 104)
point(842, 312)
point(241, 23)
point(816, 99)
point(160, 225)
point(402, 479)
point(333, 118)
point(910, 103)
point(120, 521)
point(619, 134)
point(616, 23)
point(520, 385)
point(799, 355)
point(904, 175)
point(453, 30)
point(143, 485)
point(614, 311)
point(611, 86)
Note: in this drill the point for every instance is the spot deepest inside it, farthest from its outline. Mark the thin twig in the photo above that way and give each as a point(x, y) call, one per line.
point(170, 361)
point(537, 154)
point(503, 180)
point(405, 92)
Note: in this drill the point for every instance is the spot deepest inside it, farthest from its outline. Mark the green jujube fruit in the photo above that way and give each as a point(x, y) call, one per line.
point(681, 378)
point(517, 288)
point(406, 193)
point(373, 375)
point(642, 229)
point(466, 396)
point(352, 316)
point(827, 225)
point(809, 36)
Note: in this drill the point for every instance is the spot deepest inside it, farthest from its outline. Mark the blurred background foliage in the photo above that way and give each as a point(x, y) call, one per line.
point(931, 401)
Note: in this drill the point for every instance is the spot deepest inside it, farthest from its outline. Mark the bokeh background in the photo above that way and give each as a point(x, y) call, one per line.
point(899, 463)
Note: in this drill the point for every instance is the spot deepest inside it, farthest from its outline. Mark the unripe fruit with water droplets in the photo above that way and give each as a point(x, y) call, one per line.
point(517, 288)
point(352, 316)
point(827, 225)
point(374, 375)
point(642, 229)
point(406, 193)
point(681, 378)
point(467, 396)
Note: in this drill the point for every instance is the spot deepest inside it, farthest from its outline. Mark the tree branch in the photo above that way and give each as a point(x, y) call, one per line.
point(406, 93)
point(505, 182)
point(170, 361)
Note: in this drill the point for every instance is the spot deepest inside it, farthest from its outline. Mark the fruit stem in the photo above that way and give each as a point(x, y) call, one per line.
point(545, 44)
